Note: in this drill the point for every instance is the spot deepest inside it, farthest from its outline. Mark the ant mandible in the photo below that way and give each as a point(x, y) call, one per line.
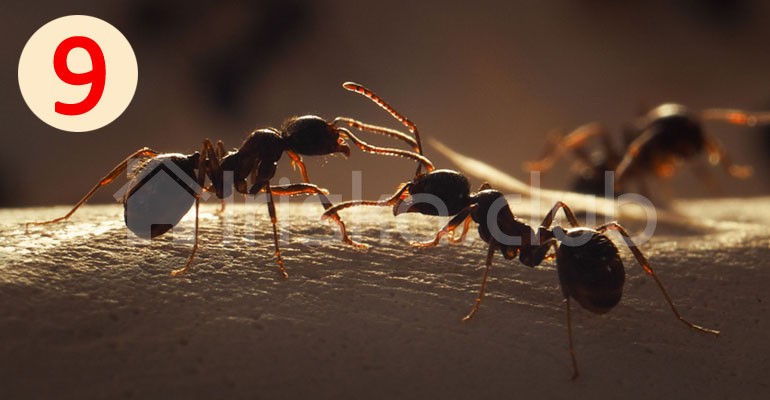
point(151, 208)
point(654, 145)
point(588, 263)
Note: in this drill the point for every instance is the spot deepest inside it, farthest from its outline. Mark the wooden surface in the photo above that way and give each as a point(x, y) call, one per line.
point(89, 312)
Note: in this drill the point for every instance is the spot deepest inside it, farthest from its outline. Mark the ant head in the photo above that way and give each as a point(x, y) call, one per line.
point(441, 192)
point(590, 269)
point(313, 136)
point(489, 199)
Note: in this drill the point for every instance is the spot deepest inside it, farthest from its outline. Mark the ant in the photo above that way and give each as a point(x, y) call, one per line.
point(151, 208)
point(588, 264)
point(654, 145)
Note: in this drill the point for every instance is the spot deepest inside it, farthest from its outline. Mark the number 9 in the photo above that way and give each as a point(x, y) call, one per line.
point(96, 76)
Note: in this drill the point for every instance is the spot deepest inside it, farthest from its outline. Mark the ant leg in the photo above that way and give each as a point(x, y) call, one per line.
point(274, 221)
point(202, 165)
point(221, 208)
point(119, 169)
point(211, 155)
point(575, 372)
point(220, 150)
point(736, 117)
point(253, 176)
point(307, 188)
point(646, 266)
point(302, 188)
point(220, 153)
point(454, 240)
point(575, 140)
point(210, 158)
point(461, 217)
point(552, 152)
point(296, 162)
point(490, 254)
point(718, 155)
point(387, 151)
point(378, 129)
point(186, 267)
point(333, 212)
point(628, 165)
point(548, 220)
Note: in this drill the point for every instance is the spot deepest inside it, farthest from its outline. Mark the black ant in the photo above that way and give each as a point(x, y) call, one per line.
point(654, 145)
point(589, 266)
point(151, 208)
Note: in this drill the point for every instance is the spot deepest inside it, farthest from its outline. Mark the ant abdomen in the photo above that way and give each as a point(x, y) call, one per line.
point(160, 194)
point(591, 271)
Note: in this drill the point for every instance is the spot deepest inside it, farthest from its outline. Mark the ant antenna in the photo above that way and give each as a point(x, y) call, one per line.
point(331, 212)
point(421, 159)
point(378, 129)
point(360, 89)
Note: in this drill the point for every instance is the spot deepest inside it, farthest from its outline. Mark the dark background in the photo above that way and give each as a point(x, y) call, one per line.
point(487, 78)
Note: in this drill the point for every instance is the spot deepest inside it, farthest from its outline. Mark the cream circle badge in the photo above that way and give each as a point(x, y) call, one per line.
point(78, 73)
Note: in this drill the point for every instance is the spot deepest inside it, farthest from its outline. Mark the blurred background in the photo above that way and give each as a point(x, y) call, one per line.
point(488, 78)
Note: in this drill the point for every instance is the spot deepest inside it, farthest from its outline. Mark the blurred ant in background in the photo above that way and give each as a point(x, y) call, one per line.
point(588, 263)
point(153, 206)
point(656, 144)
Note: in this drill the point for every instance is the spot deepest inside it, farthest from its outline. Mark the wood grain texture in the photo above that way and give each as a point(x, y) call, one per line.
point(89, 312)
